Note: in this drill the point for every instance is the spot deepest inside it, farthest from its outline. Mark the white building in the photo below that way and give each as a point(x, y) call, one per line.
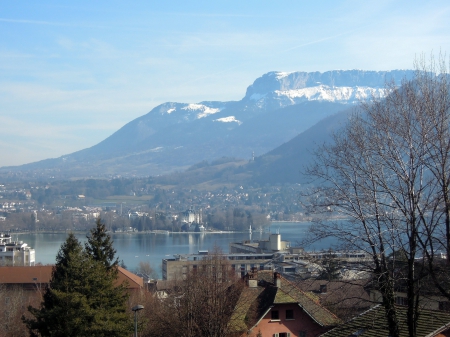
point(273, 245)
point(15, 253)
point(191, 216)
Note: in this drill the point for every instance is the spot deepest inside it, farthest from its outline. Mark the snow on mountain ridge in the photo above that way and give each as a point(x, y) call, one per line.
point(204, 110)
point(284, 81)
point(229, 119)
point(278, 89)
point(350, 95)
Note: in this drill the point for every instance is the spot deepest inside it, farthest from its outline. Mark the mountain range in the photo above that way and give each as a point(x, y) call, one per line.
point(280, 117)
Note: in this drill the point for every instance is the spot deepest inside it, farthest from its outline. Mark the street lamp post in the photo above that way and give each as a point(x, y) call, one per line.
point(136, 309)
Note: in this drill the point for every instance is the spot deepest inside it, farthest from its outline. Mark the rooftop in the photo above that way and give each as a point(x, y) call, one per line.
point(372, 323)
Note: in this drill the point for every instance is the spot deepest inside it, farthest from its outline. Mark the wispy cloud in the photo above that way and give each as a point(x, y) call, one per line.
point(51, 23)
point(34, 22)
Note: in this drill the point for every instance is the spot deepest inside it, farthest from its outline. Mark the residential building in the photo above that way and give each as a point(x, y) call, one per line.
point(428, 299)
point(346, 256)
point(38, 277)
point(242, 263)
point(15, 253)
point(270, 305)
point(346, 299)
point(27, 278)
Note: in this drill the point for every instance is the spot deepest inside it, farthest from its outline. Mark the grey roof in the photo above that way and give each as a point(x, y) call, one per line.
point(372, 323)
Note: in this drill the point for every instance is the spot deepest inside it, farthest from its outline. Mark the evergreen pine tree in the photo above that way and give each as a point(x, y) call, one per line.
point(100, 245)
point(82, 299)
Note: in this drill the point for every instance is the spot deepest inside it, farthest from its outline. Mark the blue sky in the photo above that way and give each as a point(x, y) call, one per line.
point(73, 73)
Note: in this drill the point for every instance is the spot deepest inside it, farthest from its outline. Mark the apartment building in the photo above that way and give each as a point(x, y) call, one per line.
point(15, 253)
point(240, 263)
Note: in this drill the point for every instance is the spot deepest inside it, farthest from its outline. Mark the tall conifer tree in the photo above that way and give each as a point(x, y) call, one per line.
point(100, 245)
point(82, 299)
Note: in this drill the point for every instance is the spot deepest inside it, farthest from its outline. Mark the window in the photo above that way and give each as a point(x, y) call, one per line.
point(444, 306)
point(302, 334)
point(275, 315)
point(289, 314)
point(401, 300)
point(283, 334)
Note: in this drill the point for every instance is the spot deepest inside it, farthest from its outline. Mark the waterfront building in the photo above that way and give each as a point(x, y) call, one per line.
point(190, 216)
point(273, 245)
point(15, 253)
point(181, 265)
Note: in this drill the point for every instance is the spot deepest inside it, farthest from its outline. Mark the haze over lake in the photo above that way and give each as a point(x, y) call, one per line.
point(136, 247)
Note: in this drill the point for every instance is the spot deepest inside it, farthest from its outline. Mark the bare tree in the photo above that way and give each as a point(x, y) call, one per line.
point(146, 269)
point(14, 301)
point(386, 172)
point(434, 92)
point(201, 303)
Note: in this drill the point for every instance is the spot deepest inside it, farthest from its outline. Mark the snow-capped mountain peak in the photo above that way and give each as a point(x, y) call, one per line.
point(286, 81)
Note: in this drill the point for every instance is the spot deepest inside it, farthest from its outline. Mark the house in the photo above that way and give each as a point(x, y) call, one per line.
point(432, 299)
point(132, 281)
point(344, 298)
point(373, 323)
point(38, 277)
point(429, 296)
point(161, 289)
point(27, 278)
point(270, 305)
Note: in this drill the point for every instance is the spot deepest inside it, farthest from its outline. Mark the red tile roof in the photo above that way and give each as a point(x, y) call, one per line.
point(43, 274)
point(25, 275)
point(134, 281)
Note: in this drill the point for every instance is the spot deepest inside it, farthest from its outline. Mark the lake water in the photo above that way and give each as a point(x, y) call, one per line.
point(136, 247)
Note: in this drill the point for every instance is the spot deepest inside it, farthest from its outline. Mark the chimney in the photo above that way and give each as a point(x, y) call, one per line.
point(252, 278)
point(277, 279)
